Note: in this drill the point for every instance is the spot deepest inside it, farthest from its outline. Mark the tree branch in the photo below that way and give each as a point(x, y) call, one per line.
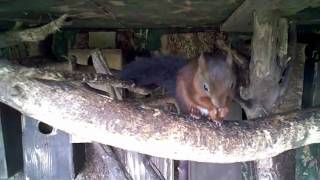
point(120, 124)
point(31, 35)
point(64, 76)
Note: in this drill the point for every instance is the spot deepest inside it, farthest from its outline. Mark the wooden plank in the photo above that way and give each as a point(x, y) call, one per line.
point(122, 14)
point(307, 157)
point(10, 142)
point(209, 171)
point(47, 152)
point(102, 39)
point(241, 20)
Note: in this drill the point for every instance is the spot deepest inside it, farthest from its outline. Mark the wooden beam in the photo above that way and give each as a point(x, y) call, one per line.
point(241, 19)
point(133, 127)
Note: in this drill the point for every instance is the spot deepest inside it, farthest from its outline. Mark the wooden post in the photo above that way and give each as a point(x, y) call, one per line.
point(283, 166)
point(291, 100)
point(263, 56)
point(307, 157)
point(268, 83)
point(10, 142)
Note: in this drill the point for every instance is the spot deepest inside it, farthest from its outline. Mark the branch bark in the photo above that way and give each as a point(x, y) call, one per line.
point(83, 113)
point(64, 76)
point(31, 35)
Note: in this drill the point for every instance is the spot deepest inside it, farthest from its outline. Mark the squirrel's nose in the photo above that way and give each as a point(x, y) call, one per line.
point(217, 103)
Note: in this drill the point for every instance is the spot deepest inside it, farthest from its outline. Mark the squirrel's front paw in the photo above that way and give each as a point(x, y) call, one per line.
point(223, 112)
point(214, 117)
point(214, 114)
point(195, 113)
point(217, 122)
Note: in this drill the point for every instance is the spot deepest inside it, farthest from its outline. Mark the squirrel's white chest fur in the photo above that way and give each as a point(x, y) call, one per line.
point(204, 111)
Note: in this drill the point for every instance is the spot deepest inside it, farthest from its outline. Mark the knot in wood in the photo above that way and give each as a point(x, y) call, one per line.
point(261, 70)
point(17, 90)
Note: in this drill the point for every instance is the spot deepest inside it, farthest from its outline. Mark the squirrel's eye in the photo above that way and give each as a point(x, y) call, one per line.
point(206, 87)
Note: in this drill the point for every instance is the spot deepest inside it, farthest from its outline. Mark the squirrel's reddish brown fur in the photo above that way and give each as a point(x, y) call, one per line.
point(205, 86)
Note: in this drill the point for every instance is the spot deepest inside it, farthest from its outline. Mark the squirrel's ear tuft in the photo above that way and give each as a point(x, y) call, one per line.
point(202, 61)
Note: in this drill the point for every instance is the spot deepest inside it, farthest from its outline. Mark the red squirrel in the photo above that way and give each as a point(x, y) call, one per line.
point(206, 86)
point(202, 87)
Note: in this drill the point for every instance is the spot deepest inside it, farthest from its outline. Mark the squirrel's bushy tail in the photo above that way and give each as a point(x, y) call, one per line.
point(159, 71)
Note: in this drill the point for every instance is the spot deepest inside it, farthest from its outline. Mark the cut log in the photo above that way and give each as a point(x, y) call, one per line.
point(83, 113)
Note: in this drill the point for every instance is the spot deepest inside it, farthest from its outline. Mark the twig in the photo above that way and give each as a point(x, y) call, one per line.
point(117, 162)
point(156, 102)
point(152, 169)
point(47, 74)
point(101, 66)
point(107, 12)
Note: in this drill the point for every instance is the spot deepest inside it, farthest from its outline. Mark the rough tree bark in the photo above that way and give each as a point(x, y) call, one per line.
point(149, 131)
point(285, 163)
point(266, 69)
